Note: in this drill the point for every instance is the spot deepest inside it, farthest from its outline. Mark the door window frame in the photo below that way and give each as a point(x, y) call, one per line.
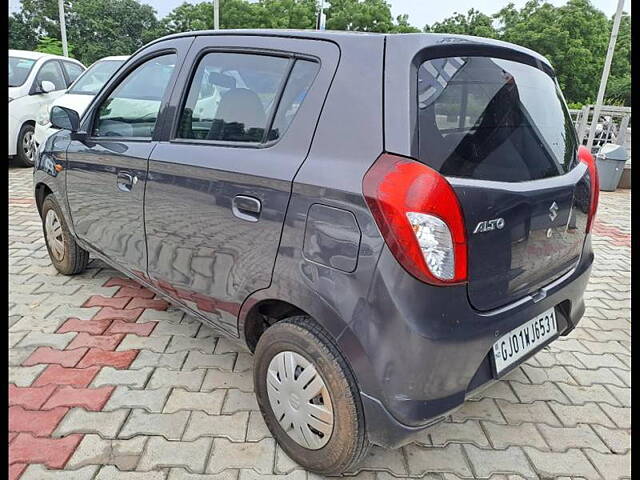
point(34, 85)
point(116, 82)
point(186, 87)
point(67, 79)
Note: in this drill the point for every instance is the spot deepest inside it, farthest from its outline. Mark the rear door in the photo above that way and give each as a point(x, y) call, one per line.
point(499, 131)
point(219, 181)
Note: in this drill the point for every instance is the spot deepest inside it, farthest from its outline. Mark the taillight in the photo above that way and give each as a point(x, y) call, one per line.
point(419, 217)
point(585, 157)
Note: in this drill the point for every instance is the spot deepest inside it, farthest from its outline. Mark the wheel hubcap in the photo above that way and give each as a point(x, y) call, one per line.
point(28, 146)
point(300, 399)
point(53, 232)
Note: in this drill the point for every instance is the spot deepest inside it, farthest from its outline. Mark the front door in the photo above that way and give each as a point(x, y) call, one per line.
point(106, 170)
point(219, 185)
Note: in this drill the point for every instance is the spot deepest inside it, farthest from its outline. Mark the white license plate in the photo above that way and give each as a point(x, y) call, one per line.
point(520, 341)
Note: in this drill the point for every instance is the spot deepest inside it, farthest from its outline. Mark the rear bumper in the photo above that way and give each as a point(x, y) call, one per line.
point(429, 350)
point(42, 132)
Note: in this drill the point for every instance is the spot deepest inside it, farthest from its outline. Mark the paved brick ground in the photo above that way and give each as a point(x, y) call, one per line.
point(107, 383)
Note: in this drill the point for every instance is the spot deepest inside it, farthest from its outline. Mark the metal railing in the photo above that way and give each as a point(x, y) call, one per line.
point(613, 126)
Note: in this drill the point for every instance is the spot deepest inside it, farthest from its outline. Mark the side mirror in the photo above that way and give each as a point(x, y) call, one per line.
point(64, 118)
point(46, 86)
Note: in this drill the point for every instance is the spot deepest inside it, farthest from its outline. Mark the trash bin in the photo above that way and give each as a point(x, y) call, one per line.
point(610, 162)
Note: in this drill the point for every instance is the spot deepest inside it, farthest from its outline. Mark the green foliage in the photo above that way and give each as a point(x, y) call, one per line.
point(473, 23)
point(53, 46)
point(574, 37)
point(21, 35)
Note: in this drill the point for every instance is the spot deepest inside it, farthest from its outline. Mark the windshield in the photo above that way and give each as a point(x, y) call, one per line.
point(19, 69)
point(493, 119)
point(92, 80)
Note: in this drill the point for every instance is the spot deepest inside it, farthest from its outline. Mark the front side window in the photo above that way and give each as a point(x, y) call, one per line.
point(492, 119)
point(232, 96)
point(131, 110)
point(94, 77)
point(51, 72)
point(73, 71)
point(19, 69)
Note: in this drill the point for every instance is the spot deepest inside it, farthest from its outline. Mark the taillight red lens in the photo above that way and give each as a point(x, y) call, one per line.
point(585, 157)
point(419, 217)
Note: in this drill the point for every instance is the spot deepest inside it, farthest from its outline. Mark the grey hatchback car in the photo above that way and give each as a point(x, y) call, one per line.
point(388, 222)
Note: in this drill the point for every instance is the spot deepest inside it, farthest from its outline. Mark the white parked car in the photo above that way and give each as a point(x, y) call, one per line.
point(79, 95)
point(35, 79)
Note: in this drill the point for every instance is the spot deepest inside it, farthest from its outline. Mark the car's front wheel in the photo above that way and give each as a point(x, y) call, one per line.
point(309, 397)
point(66, 255)
point(26, 152)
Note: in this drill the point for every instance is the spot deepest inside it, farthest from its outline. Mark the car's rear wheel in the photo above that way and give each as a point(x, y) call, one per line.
point(26, 152)
point(309, 397)
point(66, 255)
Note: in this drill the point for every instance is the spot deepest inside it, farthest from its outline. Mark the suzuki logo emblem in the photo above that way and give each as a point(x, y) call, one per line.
point(553, 211)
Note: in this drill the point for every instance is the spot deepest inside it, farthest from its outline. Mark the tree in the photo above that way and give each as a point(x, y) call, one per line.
point(473, 23)
point(21, 35)
point(100, 28)
point(360, 15)
point(53, 46)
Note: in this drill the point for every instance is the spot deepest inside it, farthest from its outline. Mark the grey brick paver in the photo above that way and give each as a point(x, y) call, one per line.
point(135, 342)
point(130, 378)
point(437, 459)
point(209, 402)
point(78, 420)
point(163, 377)
point(572, 463)
point(523, 435)
point(146, 358)
point(580, 436)
point(110, 472)
point(488, 462)
point(233, 427)
point(160, 453)
point(95, 450)
point(169, 425)
point(226, 454)
point(197, 359)
point(571, 415)
point(40, 472)
point(152, 401)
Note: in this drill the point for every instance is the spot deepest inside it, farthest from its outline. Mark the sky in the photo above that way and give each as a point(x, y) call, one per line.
point(421, 12)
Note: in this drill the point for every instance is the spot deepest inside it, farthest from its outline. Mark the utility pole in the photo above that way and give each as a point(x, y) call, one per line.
point(605, 73)
point(321, 18)
point(216, 14)
point(63, 28)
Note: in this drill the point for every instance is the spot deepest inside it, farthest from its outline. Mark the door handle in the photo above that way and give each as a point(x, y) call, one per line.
point(126, 181)
point(246, 208)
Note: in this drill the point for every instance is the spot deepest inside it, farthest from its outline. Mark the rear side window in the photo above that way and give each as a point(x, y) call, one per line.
point(73, 71)
point(492, 119)
point(300, 80)
point(233, 97)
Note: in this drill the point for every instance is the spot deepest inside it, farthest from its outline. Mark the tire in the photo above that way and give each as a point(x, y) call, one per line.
point(65, 254)
point(25, 156)
point(303, 339)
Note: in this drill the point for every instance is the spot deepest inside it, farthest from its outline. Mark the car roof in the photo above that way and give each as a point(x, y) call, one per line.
point(339, 36)
point(113, 57)
point(39, 55)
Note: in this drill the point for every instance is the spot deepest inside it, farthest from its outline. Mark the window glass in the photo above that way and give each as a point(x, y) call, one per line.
point(131, 110)
point(52, 72)
point(232, 96)
point(493, 119)
point(94, 77)
point(19, 69)
point(73, 71)
point(298, 85)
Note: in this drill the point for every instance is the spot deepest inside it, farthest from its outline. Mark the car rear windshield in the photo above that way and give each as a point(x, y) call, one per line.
point(493, 119)
point(19, 69)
